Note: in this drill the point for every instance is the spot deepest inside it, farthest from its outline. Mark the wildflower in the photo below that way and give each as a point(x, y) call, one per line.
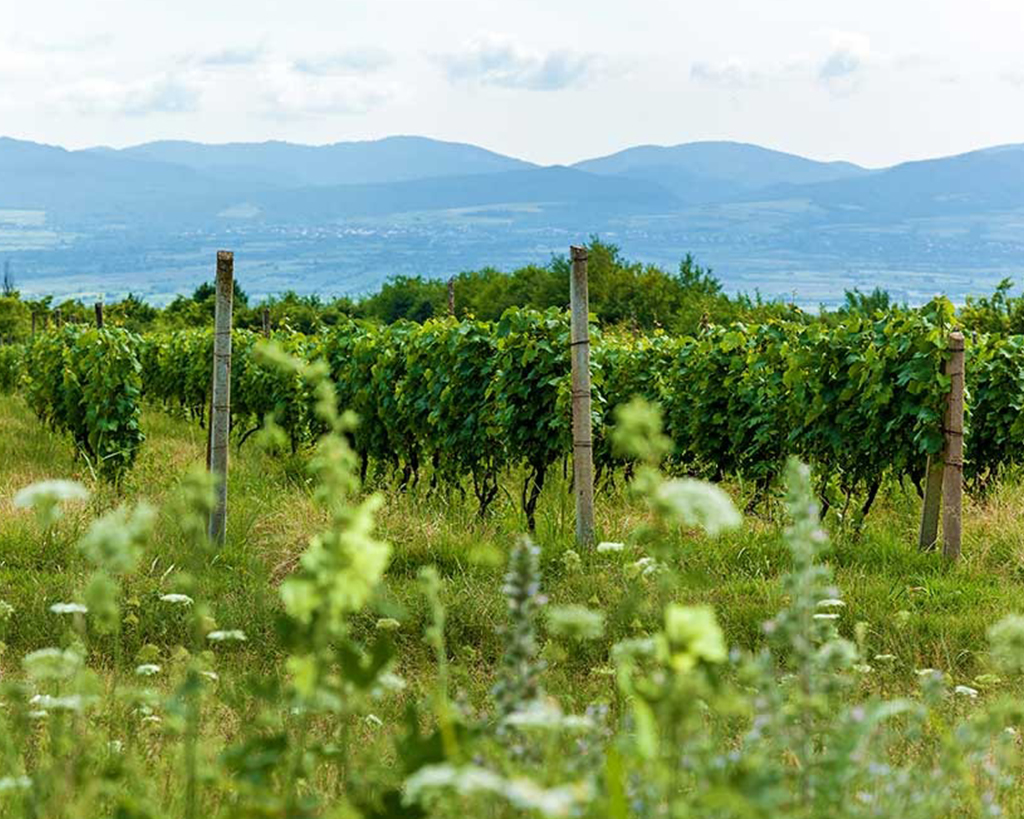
point(821, 616)
point(546, 715)
point(147, 669)
point(571, 560)
point(966, 691)
point(51, 664)
point(72, 702)
point(388, 624)
point(690, 502)
point(609, 546)
point(46, 497)
point(14, 783)
point(576, 622)
point(926, 672)
point(644, 567)
point(831, 603)
point(885, 658)
point(374, 720)
point(228, 635)
point(1006, 639)
point(115, 541)
point(389, 681)
point(177, 599)
point(210, 675)
point(693, 635)
point(6, 611)
point(68, 608)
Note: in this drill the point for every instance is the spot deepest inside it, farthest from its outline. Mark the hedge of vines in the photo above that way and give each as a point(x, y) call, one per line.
point(472, 399)
point(88, 382)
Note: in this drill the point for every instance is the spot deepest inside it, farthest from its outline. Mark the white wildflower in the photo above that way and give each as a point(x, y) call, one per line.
point(68, 608)
point(177, 599)
point(610, 546)
point(46, 497)
point(51, 664)
point(690, 502)
point(45, 702)
point(831, 603)
point(14, 783)
point(374, 720)
point(147, 669)
point(55, 491)
point(966, 691)
point(228, 635)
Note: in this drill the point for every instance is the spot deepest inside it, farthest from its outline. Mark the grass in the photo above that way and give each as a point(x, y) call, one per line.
point(919, 609)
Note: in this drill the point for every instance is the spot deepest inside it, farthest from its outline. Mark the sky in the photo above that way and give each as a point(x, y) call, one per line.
point(551, 81)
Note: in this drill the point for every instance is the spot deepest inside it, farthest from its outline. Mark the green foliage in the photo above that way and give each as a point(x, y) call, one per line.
point(87, 382)
point(11, 359)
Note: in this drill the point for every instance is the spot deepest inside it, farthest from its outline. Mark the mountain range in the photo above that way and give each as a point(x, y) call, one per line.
point(756, 208)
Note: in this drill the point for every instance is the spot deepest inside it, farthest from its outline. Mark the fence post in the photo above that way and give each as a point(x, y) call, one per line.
point(582, 442)
point(944, 480)
point(33, 324)
point(451, 296)
point(221, 393)
point(266, 322)
point(953, 450)
point(99, 314)
point(58, 321)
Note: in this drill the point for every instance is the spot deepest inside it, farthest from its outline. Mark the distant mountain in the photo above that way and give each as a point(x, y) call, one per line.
point(569, 192)
point(717, 171)
point(285, 164)
point(350, 214)
point(52, 178)
point(978, 182)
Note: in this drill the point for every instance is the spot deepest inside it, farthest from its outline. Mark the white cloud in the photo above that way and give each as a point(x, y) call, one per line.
point(495, 60)
point(1014, 78)
point(160, 93)
point(732, 73)
point(348, 61)
point(291, 93)
point(233, 57)
point(843, 67)
point(840, 68)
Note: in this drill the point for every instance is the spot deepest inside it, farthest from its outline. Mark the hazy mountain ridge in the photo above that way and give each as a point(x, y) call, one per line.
point(404, 174)
point(356, 212)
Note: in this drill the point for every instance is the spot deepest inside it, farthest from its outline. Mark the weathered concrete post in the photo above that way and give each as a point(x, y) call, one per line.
point(220, 417)
point(943, 492)
point(582, 440)
point(953, 451)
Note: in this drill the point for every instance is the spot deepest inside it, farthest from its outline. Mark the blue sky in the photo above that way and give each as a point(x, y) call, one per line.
point(546, 80)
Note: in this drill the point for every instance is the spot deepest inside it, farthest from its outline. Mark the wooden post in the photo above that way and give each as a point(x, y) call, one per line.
point(33, 324)
point(57, 320)
point(582, 441)
point(953, 450)
point(266, 322)
point(451, 296)
point(99, 314)
point(221, 393)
